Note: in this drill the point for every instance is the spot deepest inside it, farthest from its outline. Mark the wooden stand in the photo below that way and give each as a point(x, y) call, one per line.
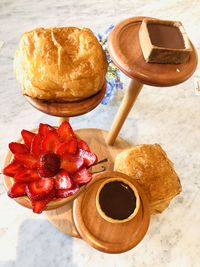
point(125, 51)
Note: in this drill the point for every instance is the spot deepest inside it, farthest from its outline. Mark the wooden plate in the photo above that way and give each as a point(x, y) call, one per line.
point(102, 235)
point(62, 218)
point(124, 48)
point(68, 109)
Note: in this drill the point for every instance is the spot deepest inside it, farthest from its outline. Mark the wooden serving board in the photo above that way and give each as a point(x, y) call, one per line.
point(101, 234)
point(62, 218)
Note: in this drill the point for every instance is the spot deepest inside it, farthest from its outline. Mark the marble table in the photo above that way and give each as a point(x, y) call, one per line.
point(169, 116)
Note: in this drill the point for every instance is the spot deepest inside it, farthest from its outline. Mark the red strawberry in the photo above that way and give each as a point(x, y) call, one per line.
point(83, 176)
point(50, 142)
point(18, 148)
point(69, 147)
point(89, 157)
point(26, 175)
point(49, 164)
point(39, 205)
point(17, 190)
point(83, 145)
point(65, 131)
point(26, 159)
point(28, 137)
point(40, 189)
point(12, 168)
point(63, 180)
point(71, 163)
point(36, 145)
point(63, 193)
point(44, 129)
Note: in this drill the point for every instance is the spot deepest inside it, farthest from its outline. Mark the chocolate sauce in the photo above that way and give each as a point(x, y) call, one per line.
point(117, 200)
point(167, 36)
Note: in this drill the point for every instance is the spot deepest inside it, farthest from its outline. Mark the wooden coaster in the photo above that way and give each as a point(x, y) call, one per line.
point(62, 218)
point(101, 234)
point(125, 51)
point(68, 109)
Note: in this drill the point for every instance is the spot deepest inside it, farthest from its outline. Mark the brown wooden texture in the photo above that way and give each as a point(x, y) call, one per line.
point(62, 218)
point(68, 109)
point(101, 234)
point(124, 48)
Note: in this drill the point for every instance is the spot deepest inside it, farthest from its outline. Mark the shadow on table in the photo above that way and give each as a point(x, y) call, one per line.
point(41, 245)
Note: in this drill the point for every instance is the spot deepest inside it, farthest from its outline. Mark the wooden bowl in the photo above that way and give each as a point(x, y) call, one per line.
point(68, 109)
point(98, 232)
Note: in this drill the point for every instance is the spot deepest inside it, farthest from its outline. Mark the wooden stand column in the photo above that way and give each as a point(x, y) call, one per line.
point(130, 97)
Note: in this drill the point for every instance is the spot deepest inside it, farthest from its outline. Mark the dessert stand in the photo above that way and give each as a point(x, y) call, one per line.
point(125, 51)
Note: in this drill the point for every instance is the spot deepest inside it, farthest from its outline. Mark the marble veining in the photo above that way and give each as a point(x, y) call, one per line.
point(169, 116)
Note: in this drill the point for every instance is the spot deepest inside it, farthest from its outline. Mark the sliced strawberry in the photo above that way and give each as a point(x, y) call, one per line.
point(26, 175)
point(17, 190)
point(44, 129)
point(69, 147)
point(63, 180)
point(83, 176)
point(12, 168)
point(36, 145)
point(26, 159)
point(50, 142)
point(63, 193)
point(28, 137)
point(83, 145)
point(18, 148)
point(39, 205)
point(40, 189)
point(65, 131)
point(71, 163)
point(89, 157)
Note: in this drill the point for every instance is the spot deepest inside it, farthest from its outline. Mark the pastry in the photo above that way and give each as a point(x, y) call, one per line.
point(60, 64)
point(152, 169)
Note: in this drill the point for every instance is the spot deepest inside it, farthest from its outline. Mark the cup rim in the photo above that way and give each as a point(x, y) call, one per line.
point(135, 191)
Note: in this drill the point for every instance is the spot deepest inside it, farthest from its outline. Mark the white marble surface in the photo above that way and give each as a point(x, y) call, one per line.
point(169, 116)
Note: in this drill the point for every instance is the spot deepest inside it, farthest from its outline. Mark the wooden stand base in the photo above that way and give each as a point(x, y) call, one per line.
point(62, 217)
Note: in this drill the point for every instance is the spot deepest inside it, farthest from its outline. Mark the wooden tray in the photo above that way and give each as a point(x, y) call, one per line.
point(68, 109)
point(103, 235)
point(125, 51)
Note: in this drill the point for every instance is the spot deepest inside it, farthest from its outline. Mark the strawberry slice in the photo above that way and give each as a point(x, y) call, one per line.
point(28, 137)
point(26, 175)
point(83, 145)
point(51, 142)
point(40, 189)
point(18, 148)
point(36, 145)
point(63, 193)
point(12, 168)
point(44, 129)
point(63, 180)
point(89, 157)
point(65, 131)
point(69, 147)
point(39, 205)
point(17, 190)
point(26, 159)
point(71, 163)
point(49, 164)
point(83, 176)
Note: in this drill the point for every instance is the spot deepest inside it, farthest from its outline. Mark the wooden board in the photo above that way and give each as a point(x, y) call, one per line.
point(125, 51)
point(68, 109)
point(101, 234)
point(62, 218)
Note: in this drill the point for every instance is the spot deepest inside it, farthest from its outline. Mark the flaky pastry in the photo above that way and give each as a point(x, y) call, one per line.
point(152, 169)
point(60, 64)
